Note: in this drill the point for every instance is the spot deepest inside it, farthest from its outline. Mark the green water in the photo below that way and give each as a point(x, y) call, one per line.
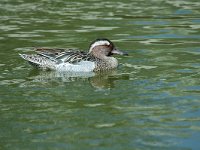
point(152, 101)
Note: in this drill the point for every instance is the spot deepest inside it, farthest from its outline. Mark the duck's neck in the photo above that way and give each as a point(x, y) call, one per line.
point(106, 62)
point(111, 61)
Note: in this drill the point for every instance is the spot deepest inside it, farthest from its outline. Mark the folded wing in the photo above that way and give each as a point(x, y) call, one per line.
point(49, 57)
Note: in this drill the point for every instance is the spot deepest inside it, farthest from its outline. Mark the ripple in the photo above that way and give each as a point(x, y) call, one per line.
point(24, 49)
point(139, 66)
point(194, 88)
point(184, 4)
point(94, 28)
point(9, 27)
point(94, 105)
point(105, 125)
point(13, 81)
point(167, 36)
point(24, 35)
point(2, 65)
point(195, 26)
point(185, 70)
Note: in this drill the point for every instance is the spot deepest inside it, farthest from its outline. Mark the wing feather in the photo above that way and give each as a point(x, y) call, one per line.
point(61, 54)
point(49, 57)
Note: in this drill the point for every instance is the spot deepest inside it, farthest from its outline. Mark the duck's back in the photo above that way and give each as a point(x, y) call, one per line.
point(60, 59)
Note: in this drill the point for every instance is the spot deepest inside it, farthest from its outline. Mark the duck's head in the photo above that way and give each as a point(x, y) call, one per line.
point(104, 47)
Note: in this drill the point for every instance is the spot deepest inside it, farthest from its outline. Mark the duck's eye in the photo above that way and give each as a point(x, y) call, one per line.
point(107, 45)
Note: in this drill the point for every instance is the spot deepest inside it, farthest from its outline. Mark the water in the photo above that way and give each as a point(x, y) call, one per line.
point(150, 102)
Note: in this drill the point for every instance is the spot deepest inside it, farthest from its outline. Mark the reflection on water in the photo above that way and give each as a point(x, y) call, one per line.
point(150, 102)
point(99, 80)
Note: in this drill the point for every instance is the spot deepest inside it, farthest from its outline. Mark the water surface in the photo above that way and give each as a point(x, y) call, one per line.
point(150, 102)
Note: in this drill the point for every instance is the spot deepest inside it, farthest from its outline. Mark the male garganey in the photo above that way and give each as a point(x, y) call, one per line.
point(98, 58)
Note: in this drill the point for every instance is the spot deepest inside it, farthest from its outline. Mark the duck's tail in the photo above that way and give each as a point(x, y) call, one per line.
point(39, 61)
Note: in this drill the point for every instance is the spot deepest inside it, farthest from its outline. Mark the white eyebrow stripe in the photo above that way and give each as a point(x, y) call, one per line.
point(98, 43)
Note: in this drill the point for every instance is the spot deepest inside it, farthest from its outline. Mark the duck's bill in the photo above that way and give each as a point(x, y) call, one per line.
point(119, 52)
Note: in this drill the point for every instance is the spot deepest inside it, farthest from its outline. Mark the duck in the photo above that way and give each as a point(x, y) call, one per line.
point(98, 58)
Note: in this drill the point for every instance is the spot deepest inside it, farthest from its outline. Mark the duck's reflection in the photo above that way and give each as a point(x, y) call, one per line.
point(100, 80)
